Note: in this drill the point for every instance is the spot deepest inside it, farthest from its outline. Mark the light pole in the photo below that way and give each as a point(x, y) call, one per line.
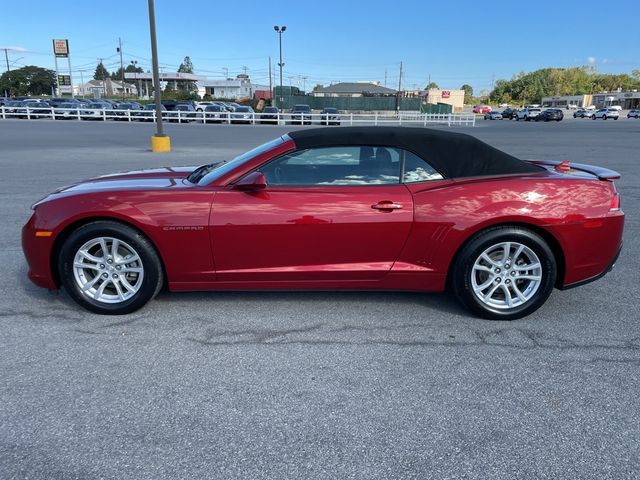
point(280, 31)
point(159, 142)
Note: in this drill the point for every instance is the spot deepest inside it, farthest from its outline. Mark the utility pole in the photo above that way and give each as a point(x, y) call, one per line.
point(6, 57)
point(270, 83)
point(159, 142)
point(226, 73)
point(304, 84)
point(280, 31)
point(385, 78)
point(399, 87)
point(121, 65)
point(244, 69)
point(81, 89)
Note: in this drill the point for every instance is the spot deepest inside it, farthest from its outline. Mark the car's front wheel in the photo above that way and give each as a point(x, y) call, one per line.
point(109, 268)
point(504, 273)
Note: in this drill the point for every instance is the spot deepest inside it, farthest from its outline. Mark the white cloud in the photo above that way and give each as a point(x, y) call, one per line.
point(591, 60)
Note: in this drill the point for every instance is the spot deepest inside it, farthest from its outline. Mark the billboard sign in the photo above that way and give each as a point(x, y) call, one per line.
point(64, 80)
point(446, 93)
point(61, 48)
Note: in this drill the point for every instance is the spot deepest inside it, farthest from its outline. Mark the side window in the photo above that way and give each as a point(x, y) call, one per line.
point(336, 166)
point(417, 170)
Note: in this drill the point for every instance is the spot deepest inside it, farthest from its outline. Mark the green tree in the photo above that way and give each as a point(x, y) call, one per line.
point(101, 72)
point(531, 87)
point(29, 80)
point(186, 67)
point(432, 85)
point(130, 68)
point(468, 93)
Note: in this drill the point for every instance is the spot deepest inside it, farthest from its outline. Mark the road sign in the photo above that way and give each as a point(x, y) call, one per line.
point(61, 48)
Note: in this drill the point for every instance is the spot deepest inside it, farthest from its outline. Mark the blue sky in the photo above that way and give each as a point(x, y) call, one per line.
point(453, 42)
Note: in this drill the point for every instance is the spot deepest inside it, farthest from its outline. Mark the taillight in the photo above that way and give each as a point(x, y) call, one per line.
point(615, 202)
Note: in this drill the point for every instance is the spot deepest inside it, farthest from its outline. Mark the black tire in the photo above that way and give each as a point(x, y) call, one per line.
point(593, 117)
point(153, 273)
point(615, 118)
point(604, 117)
point(461, 273)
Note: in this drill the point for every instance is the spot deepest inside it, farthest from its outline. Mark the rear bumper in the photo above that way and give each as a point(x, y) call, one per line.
point(595, 277)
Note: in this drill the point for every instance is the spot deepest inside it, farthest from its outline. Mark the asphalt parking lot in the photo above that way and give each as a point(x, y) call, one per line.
point(311, 385)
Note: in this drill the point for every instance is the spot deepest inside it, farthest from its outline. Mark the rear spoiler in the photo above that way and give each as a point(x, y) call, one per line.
point(565, 166)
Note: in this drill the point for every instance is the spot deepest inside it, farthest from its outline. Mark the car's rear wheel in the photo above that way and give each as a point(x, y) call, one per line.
point(504, 273)
point(110, 268)
point(604, 117)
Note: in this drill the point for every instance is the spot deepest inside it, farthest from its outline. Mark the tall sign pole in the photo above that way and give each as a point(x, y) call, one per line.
point(270, 83)
point(159, 142)
point(61, 50)
point(280, 31)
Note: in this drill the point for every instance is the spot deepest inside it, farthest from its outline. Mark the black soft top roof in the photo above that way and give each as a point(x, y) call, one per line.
point(454, 155)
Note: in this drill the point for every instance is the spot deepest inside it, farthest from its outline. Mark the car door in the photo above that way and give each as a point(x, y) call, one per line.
point(336, 213)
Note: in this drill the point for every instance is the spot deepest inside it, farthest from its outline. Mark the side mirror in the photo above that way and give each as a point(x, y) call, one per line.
point(253, 181)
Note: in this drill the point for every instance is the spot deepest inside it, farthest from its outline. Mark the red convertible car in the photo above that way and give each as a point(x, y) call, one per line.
point(363, 208)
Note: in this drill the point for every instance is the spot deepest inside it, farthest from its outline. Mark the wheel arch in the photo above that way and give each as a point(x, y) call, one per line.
point(73, 226)
point(547, 236)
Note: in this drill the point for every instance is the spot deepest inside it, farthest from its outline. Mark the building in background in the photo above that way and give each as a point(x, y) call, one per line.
point(235, 88)
point(455, 98)
point(144, 81)
point(105, 88)
point(353, 89)
point(564, 101)
point(626, 100)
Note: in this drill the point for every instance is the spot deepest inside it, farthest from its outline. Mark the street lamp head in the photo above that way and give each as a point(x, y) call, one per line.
point(284, 28)
point(276, 28)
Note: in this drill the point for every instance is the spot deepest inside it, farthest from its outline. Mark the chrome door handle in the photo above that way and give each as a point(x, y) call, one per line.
point(386, 205)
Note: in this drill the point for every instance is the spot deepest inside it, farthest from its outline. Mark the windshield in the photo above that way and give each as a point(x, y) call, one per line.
point(209, 173)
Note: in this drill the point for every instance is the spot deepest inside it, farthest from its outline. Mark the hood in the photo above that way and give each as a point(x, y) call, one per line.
point(152, 179)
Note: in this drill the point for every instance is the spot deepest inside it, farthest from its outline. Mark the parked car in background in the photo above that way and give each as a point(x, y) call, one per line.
point(242, 114)
point(528, 113)
point(269, 115)
point(301, 114)
point(12, 105)
point(183, 112)
point(633, 114)
point(34, 109)
point(550, 114)
point(147, 115)
point(581, 113)
point(121, 113)
point(493, 115)
point(509, 113)
point(216, 113)
point(95, 111)
point(200, 106)
point(615, 107)
point(605, 113)
point(57, 101)
point(329, 116)
point(230, 106)
point(481, 109)
point(571, 106)
point(67, 110)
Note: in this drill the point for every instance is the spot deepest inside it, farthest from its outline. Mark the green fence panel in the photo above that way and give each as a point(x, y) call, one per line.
point(436, 108)
point(353, 103)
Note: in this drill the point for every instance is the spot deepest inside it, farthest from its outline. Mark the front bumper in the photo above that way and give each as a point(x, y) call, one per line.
point(37, 251)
